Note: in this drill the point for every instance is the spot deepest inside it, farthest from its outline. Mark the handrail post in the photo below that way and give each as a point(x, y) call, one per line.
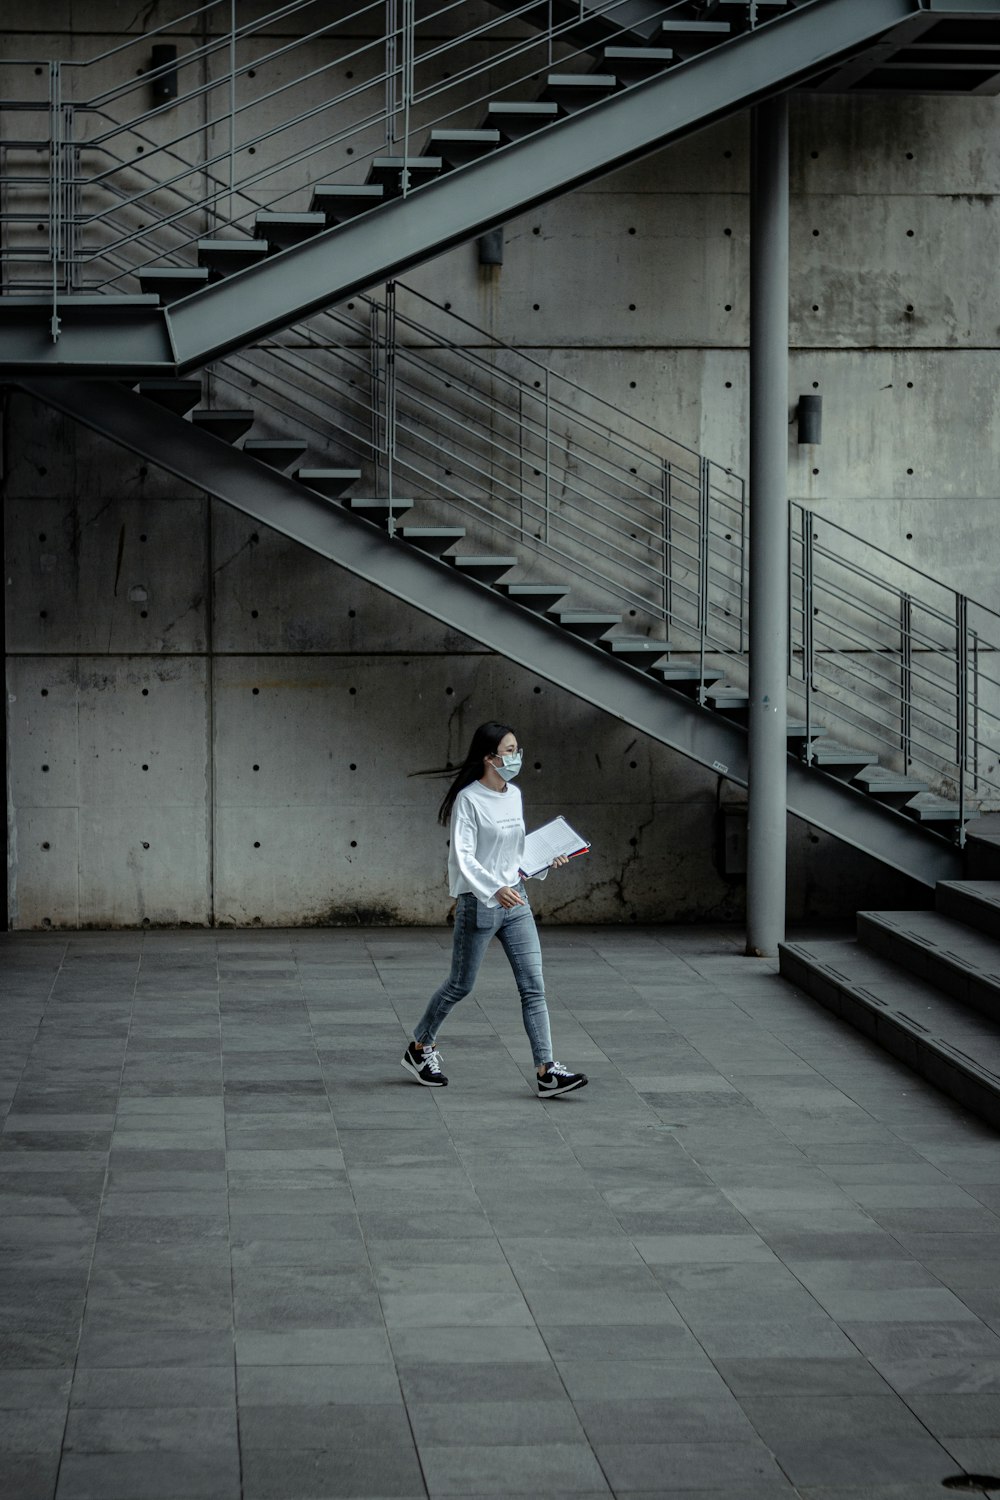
point(961, 704)
point(390, 394)
point(905, 676)
point(975, 713)
point(546, 474)
point(808, 627)
point(666, 478)
point(768, 748)
point(703, 525)
point(56, 204)
point(409, 46)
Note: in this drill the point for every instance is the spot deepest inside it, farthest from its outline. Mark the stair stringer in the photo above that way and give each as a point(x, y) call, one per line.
point(244, 307)
point(525, 638)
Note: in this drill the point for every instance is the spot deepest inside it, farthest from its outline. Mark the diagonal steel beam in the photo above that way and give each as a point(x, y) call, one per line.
point(531, 641)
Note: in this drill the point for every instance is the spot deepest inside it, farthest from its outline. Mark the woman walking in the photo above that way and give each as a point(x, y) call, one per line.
point(487, 845)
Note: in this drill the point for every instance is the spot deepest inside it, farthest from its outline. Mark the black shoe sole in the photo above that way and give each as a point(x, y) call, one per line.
point(569, 1088)
point(427, 1083)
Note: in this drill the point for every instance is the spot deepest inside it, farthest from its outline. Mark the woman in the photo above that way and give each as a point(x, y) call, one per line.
point(487, 845)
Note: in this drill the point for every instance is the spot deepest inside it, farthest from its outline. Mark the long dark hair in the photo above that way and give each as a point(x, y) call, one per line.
point(484, 742)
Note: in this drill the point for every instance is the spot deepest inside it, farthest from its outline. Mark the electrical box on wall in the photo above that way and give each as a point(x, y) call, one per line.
point(731, 840)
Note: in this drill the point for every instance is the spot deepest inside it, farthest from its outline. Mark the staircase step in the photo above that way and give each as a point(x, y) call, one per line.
point(633, 64)
point(282, 230)
point(433, 539)
point(839, 760)
point(516, 120)
point(687, 678)
point(377, 508)
point(387, 171)
point(277, 453)
point(589, 623)
point(637, 650)
point(943, 813)
point(176, 395)
point(485, 569)
point(224, 256)
point(331, 483)
point(885, 786)
point(976, 903)
point(457, 148)
point(940, 950)
point(171, 282)
point(934, 1035)
point(227, 425)
point(338, 203)
point(696, 33)
point(573, 91)
point(536, 596)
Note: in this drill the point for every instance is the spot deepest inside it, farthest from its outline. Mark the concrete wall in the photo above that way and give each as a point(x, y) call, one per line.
point(206, 724)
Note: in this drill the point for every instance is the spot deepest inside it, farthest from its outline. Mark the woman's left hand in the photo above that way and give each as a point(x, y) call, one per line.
point(560, 859)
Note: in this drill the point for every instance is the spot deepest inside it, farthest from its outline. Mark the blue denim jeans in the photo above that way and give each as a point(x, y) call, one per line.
point(475, 925)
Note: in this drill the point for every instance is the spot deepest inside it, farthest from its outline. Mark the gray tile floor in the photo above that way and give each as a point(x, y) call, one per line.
point(243, 1255)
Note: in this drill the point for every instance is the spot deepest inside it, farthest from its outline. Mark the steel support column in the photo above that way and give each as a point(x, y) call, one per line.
point(768, 528)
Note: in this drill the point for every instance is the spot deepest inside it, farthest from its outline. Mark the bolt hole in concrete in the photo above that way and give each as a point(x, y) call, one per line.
point(971, 1482)
point(45, 692)
point(353, 766)
point(144, 844)
point(46, 846)
point(41, 536)
point(537, 690)
point(256, 692)
point(352, 691)
point(256, 768)
point(354, 843)
point(256, 843)
point(449, 692)
point(145, 692)
point(145, 768)
point(255, 614)
point(45, 768)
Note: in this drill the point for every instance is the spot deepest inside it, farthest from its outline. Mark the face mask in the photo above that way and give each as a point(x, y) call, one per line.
point(510, 766)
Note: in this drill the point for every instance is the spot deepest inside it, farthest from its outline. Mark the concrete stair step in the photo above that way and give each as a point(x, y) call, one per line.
point(945, 815)
point(573, 91)
point(432, 539)
point(688, 677)
point(976, 903)
point(457, 148)
point(331, 483)
point(170, 283)
point(633, 64)
point(486, 569)
point(539, 597)
point(277, 453)
point(888, 787)
point(637, 650)
point(178, 396)
point(229, 426)
point(936, 1036)
point(843, 761)
point(514, 120)
point(225, 256)
point(337, 202)
point(591, 624)
point(961, 961)
point(387, 172)
point(377, 508)
point(282, 230)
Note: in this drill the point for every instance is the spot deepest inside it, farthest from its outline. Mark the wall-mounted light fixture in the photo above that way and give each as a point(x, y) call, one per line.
point(810, 419)
point(165, 81)
point(490, 246)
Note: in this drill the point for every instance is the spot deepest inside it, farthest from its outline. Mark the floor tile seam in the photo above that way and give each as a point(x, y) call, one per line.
point(368, 1257)
point(97, 1223)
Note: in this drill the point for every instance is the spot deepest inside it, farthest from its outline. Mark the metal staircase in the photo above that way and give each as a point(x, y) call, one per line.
point(512, 505)
point(158, 255)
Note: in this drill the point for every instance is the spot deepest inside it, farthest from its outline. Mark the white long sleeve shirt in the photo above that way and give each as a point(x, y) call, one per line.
point(487, 841)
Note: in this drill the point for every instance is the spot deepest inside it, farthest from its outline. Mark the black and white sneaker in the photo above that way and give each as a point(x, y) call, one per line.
point(558, 1080)
point(425, 1065)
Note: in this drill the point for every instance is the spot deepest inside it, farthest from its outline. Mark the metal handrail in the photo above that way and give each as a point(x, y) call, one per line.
point(400, 93)
point(879, 642)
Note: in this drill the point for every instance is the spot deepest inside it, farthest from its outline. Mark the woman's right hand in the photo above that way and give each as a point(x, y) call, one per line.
point(508, 897)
